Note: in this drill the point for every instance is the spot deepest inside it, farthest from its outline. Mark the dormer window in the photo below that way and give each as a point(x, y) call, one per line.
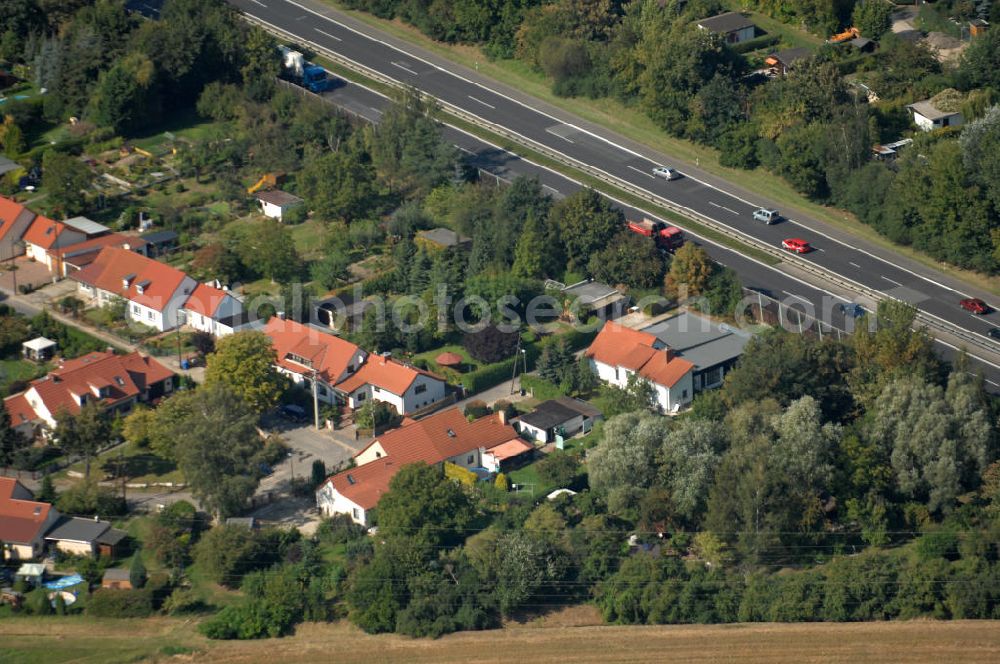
point(127, 280)
point(141, 287)
point(351, 480)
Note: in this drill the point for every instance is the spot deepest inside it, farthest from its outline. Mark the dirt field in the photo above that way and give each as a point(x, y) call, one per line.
point(85, 640)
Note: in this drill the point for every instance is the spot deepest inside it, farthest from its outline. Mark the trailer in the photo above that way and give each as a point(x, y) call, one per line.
point(667, 238)
point(312, 77)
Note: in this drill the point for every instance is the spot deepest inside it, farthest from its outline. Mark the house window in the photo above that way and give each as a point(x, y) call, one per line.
point(420, 389)
point(356, 513)
point(360, 397)
point(150, 315)
point(684, 394)
point(470, 459)
point(322, 391)
point(136, 310)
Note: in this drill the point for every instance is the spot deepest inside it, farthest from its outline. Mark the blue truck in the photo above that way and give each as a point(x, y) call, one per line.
point(312, 77)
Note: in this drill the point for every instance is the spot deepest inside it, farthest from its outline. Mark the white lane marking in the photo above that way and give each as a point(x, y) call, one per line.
point(404, 68)
point(818, 249)
point(639, 170)
point(620, 202)
point(991, 382)
point(549, 131)
point(730, 210)
point(854, 264)
point(258, 2)
point(601, 138)
point(797, 297)
point(713, 203)
point(891, 281)
point(482, 102)
point(966, 351)
point(466, 150)
point(552, 189)
point(324, 32)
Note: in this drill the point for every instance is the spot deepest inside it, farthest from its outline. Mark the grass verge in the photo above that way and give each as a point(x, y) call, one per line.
point(634, 124)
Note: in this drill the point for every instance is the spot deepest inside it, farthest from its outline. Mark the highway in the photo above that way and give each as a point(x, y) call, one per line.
point(934, 294)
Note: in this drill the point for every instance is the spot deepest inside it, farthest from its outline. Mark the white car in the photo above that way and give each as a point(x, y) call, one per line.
point(666, 173)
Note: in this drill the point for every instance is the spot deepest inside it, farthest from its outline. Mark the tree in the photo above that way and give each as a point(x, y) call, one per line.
point(689, 272)
point(270, 251)
point(490, 344)
point(330, 270)
point(65, 178)
point(244, 363)
point(873, 17)
point(980, 141)
point(638, 394)
point(625, 457)
point(47, 491)
point(84, 433)
point(137, 571)
point(629, 259)
point(936, 441)
point(217, 261)
point(425, 507)
point(137, 426)
point(531, 251)
point(11, 440)
point(687, 461)
point(227, 553)
point(586, 222)
point(124, 98)
point(980, 66)
point(560, 469)
point(339, 185)
point(211, 433)
point(203, 342)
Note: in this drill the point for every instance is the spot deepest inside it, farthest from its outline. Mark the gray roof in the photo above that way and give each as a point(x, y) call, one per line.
point(160, 237)
point(117, 574)
point(699, 340)
point(75, 529)
point(279, 198)
point(39, 344)
point(111, 536)
point(8, 165)
point(87, 226)
point(930, 111)
point(442, 236)
point(593, 293)
point(244, 521)
point(790, 56)
point(554, 412)
point(725, 23)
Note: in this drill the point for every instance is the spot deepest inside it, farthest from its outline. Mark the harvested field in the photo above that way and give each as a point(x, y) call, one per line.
point(26, 640)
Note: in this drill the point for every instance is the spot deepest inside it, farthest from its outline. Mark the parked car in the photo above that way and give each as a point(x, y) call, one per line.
point(851, 310)
point(666, 173)
point(796, 245)
point(293, 412)
point(993, 333)
point(974, 305)
point(766, 216)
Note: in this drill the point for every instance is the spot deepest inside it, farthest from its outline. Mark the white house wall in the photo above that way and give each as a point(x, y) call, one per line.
point(371, 453)
point(329, 501)
point(536, 434)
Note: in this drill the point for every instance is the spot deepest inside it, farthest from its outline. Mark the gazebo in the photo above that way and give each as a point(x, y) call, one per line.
point(449, 359)
point(39, 349)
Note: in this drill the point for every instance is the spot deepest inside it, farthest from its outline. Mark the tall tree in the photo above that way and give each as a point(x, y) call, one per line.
point(586, 222)
point(83, 433)
point(244, 363)
point(65, 178)
point(11, 440)
point(689, 272)
point(423, 506)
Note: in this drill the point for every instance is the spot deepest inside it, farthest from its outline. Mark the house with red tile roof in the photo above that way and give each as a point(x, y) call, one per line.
point(155, 292)
point(208, 308)
point(443, 437)
point(23, 417)
point(45, 235)
point(619, 352)
point(14, 222)
point(23, 521)
point(116, 382)
point(304, 353)
point(402, 386)
point(65, 260)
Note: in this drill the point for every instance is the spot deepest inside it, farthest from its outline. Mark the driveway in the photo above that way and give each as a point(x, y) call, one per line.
point(26, 272)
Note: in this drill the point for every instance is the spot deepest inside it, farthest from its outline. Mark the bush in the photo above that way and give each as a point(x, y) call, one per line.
point(110, 603)
point(561, 469)
point(476, 409)
point(88, 498)
point(182, 601)
point(487, 376)
point(339, 529)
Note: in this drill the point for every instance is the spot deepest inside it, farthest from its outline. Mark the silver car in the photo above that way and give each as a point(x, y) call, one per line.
point(666, 173)
point(766, 216)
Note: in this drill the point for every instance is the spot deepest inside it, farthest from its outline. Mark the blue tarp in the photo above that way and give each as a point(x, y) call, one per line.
point(64, 582)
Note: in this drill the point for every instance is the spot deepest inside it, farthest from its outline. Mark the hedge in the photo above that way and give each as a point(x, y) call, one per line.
point(111, 603)
point(756, 43)
point(540, 388)
point(488, 376)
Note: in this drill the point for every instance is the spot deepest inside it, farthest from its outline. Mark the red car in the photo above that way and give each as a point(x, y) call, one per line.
point(975, 305)
point(796, 245)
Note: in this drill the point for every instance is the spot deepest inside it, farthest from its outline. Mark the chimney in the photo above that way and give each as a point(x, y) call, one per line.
point(669, 353)
point(502, 415)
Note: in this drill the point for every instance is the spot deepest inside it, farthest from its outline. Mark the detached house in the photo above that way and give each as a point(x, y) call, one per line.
point(116, 382)
point(23, 521)
point(208, 309)
point(44, 235)
point(443, 437)
point(928, 116)
point(66, 260)
point(14, 222)
point(155, 292)
point(305, 353)
point(619, 352)
point(404, 387)
point(732, 26)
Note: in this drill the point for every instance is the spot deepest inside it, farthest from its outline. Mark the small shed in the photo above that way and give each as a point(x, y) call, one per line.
point(557, 419)
point(276, 203)
point(117, 578)
point(442, 238)
point(32, 573)
point(160, 242)
point(590, 296)
point(39, 349)
point(248, 522)
point(732, 26)
point(978, 27)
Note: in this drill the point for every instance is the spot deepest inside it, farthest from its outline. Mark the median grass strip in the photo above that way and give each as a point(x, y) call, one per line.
point(632, 123)
point(540, 159)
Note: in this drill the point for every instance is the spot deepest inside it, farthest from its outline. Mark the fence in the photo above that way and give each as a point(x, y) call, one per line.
point(768, 310)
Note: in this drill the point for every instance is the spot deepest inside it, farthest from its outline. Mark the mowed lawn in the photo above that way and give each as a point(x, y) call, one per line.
point(50, 640)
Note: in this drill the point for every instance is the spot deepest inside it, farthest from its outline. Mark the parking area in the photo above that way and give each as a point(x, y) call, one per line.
point(307, 444)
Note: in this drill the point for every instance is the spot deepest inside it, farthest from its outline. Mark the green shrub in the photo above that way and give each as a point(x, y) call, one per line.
point(111, 603)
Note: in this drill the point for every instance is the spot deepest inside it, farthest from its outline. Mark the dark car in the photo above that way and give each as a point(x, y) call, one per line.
point(974, 305)
point(293, 412)
point(851, 310)
point(994, 333)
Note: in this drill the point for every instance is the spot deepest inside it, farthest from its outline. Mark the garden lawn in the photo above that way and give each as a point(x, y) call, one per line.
point(13, 370)
point(469, 364)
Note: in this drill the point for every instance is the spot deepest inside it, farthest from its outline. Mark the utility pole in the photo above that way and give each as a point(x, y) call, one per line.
point(513, 375)
point(315, 401)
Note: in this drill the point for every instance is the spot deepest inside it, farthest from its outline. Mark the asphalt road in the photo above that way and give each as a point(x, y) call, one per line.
point(932, 293)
